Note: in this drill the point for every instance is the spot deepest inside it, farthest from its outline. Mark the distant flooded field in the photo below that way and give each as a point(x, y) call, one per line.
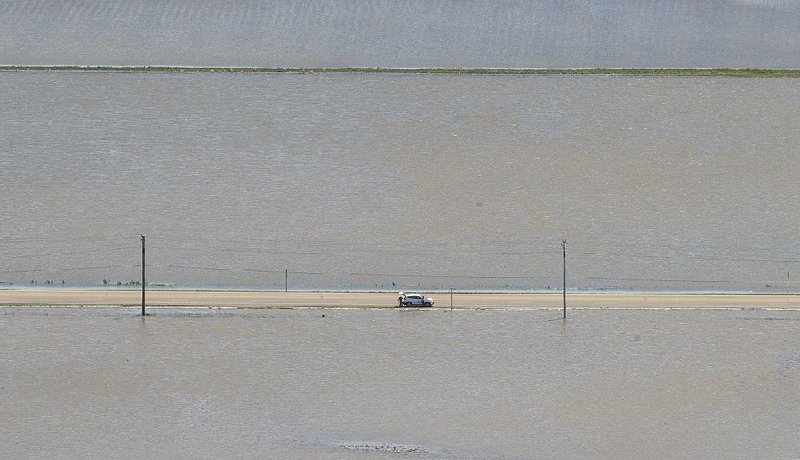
point(402, 33)
point(400, 181)
point(374, 383)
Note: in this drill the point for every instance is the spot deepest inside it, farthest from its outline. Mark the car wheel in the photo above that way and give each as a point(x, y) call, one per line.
point(427, 304)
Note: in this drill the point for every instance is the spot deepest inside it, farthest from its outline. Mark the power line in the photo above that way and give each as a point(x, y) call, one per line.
point(663, 280)
point(448, 276)
point(382, 275)
point(449, 249)
point(257, 251)
point(685, 257)
point(45, 270)
point(9, 240)
point(89, 251)
point(389, 252)
point(223, 269)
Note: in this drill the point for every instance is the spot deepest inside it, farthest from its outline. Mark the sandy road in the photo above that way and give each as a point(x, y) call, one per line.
point(271, 299)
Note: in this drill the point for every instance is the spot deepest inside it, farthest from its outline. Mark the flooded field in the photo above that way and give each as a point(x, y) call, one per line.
point(399, 384)
point(403, 33)
point(400, 182)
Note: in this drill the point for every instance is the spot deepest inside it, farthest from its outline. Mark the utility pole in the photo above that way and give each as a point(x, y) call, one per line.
point(143, 279)
point(564, 286)
point(286, 280)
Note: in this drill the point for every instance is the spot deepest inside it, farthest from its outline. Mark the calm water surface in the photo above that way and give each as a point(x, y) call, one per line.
point(399, 384)
point(400, 181)
point(403, 33)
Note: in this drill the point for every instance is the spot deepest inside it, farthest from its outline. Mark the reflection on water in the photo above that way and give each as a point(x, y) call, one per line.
point(433, 384)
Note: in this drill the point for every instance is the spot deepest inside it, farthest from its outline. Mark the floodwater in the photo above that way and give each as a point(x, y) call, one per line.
point(400, 182)
point(197, 383)
point(403, 33)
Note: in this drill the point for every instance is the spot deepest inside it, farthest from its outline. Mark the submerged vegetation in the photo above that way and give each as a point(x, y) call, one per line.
point(637, 72)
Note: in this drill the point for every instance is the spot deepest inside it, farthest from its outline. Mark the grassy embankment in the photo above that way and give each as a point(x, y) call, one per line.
point(648, 72)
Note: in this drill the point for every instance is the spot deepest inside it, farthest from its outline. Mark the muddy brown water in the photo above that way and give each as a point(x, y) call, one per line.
point(407, 383)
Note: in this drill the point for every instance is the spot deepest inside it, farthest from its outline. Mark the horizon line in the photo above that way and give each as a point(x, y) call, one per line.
point(622, 71)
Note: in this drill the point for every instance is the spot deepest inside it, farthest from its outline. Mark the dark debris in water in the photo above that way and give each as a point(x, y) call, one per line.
point(384, 448)
point(769, 318)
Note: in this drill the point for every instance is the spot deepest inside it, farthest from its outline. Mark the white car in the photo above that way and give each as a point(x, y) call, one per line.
point(410, 300)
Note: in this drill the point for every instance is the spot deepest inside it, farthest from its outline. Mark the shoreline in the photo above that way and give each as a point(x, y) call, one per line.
point(634, 72)
point(387, 300)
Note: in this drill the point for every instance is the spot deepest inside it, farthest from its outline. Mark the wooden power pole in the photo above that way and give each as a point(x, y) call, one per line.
point(143, 279)
point(564, 285)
